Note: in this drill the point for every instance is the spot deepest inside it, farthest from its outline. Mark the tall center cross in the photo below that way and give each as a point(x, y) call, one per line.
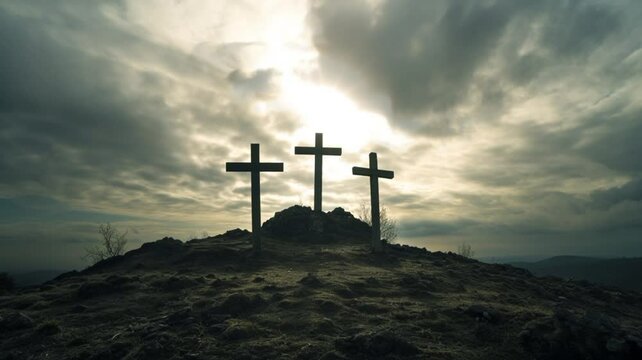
point(318, 151)
point(255, 167)
point(374, 173)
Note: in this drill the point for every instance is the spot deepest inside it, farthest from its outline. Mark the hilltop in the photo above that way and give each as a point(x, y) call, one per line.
point(316, 292)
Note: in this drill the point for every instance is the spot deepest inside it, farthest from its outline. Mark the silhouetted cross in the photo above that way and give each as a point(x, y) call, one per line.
point(318, 151)
point(374, 173)
point(255, 167)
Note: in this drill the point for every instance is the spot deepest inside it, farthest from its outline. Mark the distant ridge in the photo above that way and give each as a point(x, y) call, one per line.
point(622, 272)
point(37, 277)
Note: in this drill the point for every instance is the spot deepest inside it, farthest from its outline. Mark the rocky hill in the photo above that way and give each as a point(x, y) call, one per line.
point(315, 292)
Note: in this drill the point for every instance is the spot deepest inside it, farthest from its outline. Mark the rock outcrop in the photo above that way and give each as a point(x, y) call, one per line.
point(302, 224)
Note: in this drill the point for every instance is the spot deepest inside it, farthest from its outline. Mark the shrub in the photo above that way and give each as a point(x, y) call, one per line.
point(387, 223)
point(113, 244)
point(465, 250)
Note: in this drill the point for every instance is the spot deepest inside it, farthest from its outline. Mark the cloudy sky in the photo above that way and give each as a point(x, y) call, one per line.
point(515, 126)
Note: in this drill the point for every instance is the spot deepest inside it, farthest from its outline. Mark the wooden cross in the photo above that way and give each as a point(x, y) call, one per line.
point(374, 173)
point(255, 167)
point(318, 151)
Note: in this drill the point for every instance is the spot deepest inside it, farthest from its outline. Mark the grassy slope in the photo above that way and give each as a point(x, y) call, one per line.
point(212, 299)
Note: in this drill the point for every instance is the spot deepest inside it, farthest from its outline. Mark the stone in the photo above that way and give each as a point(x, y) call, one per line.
point(239, 303)
point(376, 344)
point(311, 280)
point(239, 332)
point(483, 313)
point(164, 245)
point(332, 355)
point(232, 234)
point(566, 335)
point(176, 283)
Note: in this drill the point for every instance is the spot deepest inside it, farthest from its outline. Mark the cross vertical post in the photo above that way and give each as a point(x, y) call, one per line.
point(374, 173)
point(318, 151)
point(374, 205)
point(318, 171)
point(255, 167)
point(255, 185)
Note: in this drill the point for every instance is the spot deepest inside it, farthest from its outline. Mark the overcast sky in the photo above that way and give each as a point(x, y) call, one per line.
point(515, 126)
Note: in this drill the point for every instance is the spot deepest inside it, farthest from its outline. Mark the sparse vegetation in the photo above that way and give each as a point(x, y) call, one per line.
point(194, 236)
point(113, 244)
point(332, 300)
point(387, 223)
point(6, 283)
point(465, 250)
point(48, 328)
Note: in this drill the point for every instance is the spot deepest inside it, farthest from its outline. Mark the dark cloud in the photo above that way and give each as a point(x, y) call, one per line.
point(421, 61)
point(427, 228)
point(629, 192)
point(94, 112)
point(420, 55)
point(617, 142)
point(97, 114)
point(576, 27)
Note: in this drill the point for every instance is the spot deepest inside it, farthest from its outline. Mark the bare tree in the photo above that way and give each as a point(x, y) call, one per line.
point(465, 250)
point(387, 223)
point(194, 236)
point(113, 244)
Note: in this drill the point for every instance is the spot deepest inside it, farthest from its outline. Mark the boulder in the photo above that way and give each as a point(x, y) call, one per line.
point(239, 332)
point(310, 280)
point(239, 303)
point(376, 344)
point(112, 284)
point(164, 245)
point(566, 335)
point(176, 283)
point(483, 313)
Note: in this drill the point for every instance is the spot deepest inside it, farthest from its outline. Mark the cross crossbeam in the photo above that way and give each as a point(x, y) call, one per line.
point(374, 173)
point(255, 167)
point(318, 151)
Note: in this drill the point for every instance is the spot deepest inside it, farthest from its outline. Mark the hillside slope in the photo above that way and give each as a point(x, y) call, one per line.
point(321, 299)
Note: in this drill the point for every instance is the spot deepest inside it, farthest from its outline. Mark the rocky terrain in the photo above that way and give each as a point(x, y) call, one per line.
point(316, 292)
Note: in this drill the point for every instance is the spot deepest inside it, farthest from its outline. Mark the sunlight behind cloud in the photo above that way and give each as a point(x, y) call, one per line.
point(324, 109)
